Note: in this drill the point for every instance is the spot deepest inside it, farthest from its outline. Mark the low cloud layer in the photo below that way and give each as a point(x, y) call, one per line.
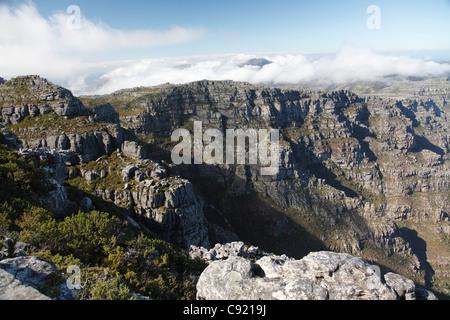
point(32, 44)
point(350, 65)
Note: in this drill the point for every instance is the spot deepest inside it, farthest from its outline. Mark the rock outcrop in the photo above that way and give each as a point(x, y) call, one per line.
point(162, 201)
point(55, 119)
point(87, 146)
point(34, 96)
point(318, 276)
point(11, 249)
point(27, 277)
point(225, 251)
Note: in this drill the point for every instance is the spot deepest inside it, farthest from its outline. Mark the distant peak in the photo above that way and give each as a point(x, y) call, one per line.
point(257, 62)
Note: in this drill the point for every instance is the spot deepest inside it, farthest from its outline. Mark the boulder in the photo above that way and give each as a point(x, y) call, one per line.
point(133, 149)
point(12, 289)
point(56, 201)
point(90, 176)
point(402, 286)
point(87, 204)
point(318, 276)
point(24, 278)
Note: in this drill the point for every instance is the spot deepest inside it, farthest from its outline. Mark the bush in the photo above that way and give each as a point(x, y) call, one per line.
point(110, 289)
point(84, 235)
point(39, 229)
point(21, 177)
point(5, 218)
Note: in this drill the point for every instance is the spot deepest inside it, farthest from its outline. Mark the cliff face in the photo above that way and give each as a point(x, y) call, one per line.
point(361, 175)
point(88, 149)
point(387, 148)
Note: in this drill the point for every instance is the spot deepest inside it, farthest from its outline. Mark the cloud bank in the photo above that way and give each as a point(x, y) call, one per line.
point(349, 65)
point(33, 44)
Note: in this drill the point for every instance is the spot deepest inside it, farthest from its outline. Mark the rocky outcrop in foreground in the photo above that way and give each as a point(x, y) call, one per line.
point(25, 277)
point(318, 276)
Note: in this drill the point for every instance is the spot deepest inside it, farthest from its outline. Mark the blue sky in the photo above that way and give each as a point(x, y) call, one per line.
point(134, 43)
point(266, 26)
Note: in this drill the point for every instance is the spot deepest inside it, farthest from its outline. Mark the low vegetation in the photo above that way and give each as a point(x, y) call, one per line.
point(43, 126)
point(117, 260)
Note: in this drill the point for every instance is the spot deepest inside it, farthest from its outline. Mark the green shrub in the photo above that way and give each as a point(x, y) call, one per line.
point(84, 235)
point(38, 228)
point(110, 289)
point(21, 177)
point(5, 218)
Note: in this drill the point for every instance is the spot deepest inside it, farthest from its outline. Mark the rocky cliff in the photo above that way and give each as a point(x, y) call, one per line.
point(89, 149)
point(359, 174)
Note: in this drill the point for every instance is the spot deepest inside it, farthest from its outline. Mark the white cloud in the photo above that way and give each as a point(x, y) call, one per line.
point(30, 43)
point(347, 66)
point(33, 44)
point(99, 36)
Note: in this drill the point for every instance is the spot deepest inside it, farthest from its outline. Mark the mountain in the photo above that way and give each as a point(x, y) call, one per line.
point(360, 174)
point(257, 62)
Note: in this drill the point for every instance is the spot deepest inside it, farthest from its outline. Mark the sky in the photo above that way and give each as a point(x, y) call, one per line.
point(101, 46)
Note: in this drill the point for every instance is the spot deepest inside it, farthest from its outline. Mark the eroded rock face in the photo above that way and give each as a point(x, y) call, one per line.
point(24, 278)
point(176, 213)
point(161, 200)
point(33, 96)
point(106, 113)
point(88, 133)
point(388, 148)
point(87, 146)
point(318, 276)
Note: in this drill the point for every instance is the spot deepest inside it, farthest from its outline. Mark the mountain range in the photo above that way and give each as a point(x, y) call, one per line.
point(364, 169)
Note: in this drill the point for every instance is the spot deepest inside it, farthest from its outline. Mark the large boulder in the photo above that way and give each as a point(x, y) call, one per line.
point(27, 277)
point(318, 276)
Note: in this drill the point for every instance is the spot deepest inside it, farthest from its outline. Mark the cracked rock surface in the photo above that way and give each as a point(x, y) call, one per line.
point(318, 276)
